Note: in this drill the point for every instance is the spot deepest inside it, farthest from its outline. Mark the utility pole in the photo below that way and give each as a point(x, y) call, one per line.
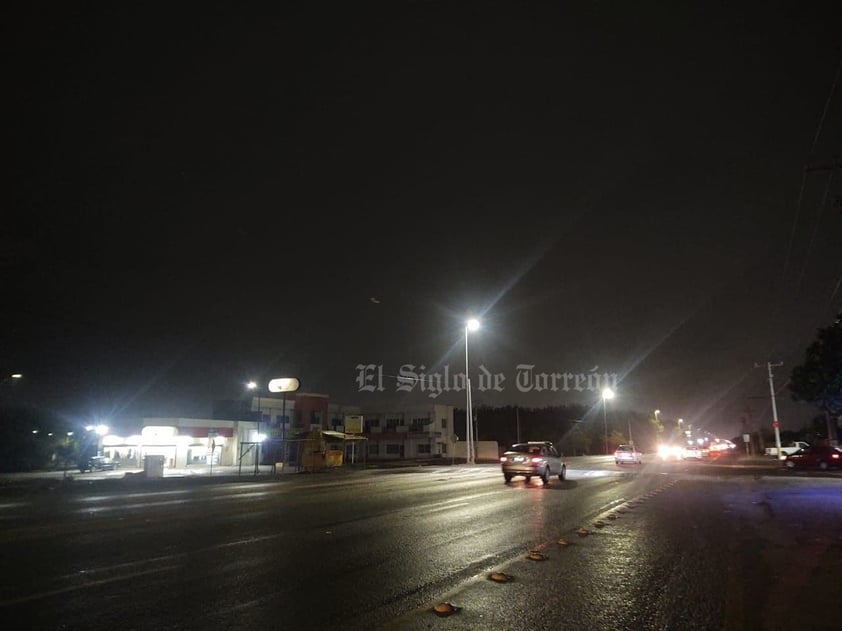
point(775, 423)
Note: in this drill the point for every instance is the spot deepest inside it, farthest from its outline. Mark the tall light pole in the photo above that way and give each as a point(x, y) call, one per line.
point(607, 393)
point(252, 385)
point(470, 325)
point(282, 385)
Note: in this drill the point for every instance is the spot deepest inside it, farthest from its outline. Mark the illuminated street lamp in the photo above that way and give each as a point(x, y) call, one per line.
point(470, 325)
point(101, 430)
point(607, 393)
point(13, 377)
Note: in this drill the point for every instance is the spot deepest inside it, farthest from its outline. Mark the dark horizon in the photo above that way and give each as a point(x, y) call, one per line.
point(203, 200)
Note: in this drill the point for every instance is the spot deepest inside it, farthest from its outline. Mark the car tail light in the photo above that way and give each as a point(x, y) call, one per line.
point(503, 458)
point(835, 456)
point(536, 460)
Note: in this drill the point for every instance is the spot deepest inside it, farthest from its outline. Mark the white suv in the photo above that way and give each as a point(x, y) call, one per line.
point(627, 453)
point(539, 458)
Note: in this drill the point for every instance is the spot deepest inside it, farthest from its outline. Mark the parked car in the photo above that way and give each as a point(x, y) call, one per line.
point(627, 453)
point(791, 448)
point(815, 456)
point(539, 458)
point(98, 463)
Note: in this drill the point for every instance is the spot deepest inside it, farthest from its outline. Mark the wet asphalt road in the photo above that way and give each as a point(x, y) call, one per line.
point(669, 546)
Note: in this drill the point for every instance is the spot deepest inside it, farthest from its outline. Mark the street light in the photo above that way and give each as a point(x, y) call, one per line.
point(607, 393)
point(470, 325)
point(252, 385)
point(101, 430)
point(283, 385)
point(11, 378)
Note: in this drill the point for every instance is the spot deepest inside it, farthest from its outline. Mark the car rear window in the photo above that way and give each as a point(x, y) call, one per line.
point(526, 449)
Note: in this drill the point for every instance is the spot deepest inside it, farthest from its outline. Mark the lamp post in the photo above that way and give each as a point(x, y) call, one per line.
point(470, 325)
point(607, 393)
point(252, 385)
point(283, 385)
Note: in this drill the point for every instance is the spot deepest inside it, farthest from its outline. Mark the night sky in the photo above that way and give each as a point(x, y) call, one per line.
point(196, 199)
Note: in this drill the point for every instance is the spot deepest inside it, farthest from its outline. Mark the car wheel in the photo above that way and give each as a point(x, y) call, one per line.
point(617, 462)
point(563, 473)
point(508, 477)
point(789, 464)
point(545, 476)
point(528, 478)
point(823, 465)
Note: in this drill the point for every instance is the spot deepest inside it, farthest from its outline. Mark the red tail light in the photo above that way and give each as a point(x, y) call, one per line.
point(835, 456)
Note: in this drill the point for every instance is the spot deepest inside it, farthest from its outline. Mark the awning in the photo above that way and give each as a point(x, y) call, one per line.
point(343, 435)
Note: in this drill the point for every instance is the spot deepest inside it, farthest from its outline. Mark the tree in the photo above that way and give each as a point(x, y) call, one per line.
point(818, 379)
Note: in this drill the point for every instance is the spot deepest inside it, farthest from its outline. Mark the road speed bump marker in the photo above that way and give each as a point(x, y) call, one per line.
point(445, 609)
point(612, 516)
point(563, 542)
point(534, 555)
point(599, 523)
point(582, 532)
point(500, 577)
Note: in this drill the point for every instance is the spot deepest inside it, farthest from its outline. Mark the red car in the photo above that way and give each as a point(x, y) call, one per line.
point(816, 456)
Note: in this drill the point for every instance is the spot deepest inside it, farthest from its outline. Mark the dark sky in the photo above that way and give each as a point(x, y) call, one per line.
point(201, 198)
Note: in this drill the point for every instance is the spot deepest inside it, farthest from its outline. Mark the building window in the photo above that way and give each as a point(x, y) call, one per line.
point(418, 424)
point(392, 423)
point(374, 422)
point(444, 423)
point(423, 449)
point(315, 419)
point(393, 449)
point(443, 448)
point(374, 449)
